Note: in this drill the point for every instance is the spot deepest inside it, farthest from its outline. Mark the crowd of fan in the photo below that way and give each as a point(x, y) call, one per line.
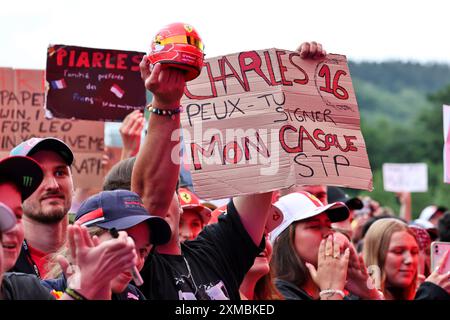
point(304, 242)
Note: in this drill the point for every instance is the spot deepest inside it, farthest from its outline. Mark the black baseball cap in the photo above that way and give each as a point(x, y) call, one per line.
point(335, 194)
point(121, 209)
point(33, 145)
point(24, 172)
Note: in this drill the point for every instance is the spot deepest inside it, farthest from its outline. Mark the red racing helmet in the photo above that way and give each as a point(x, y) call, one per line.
point(178, 45)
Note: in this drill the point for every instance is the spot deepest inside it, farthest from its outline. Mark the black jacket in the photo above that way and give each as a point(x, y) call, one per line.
point(21, 286)
point(291, 291)
point(430, 291)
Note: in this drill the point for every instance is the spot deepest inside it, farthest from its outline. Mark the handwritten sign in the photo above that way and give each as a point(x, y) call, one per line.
point(263, 120)
point(410, 177)
point(93, 84)
point(22, 117)
point(446, 117)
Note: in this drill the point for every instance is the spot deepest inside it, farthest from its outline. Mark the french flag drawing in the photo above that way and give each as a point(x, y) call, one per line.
point(58, 84)
point(117, 91)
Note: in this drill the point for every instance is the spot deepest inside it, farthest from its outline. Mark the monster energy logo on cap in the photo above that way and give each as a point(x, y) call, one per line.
point(27, 181)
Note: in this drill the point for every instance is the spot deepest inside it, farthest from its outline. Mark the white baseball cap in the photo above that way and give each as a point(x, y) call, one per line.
point(7, 218)
point(428, 213)
point(302, 205)
point(425, 224)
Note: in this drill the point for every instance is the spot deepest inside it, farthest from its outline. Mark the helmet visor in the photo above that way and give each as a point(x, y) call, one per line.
point(182, 39)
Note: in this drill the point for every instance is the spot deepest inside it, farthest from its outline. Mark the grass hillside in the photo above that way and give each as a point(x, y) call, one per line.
point(401, 119)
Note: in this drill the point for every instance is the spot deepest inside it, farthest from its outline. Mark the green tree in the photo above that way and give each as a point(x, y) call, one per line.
point(420, 140)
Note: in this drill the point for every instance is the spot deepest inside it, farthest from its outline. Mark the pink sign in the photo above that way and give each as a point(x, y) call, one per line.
point(446, 117)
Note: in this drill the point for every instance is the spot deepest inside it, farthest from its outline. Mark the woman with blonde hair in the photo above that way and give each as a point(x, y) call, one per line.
point(391, 253)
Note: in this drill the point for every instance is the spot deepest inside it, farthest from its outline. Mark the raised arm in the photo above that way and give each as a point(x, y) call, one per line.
point(155, 173)
point(254, 210)
point(130, 131)
point(405, 205)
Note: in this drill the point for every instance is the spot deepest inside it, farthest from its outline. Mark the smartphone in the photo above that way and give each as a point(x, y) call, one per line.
point(438, 249)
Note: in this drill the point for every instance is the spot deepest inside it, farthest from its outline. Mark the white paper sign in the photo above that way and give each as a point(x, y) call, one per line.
point(409, 177)
point(446, 117)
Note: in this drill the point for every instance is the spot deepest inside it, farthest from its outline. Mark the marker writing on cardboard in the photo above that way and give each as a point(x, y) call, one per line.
point(134, 271)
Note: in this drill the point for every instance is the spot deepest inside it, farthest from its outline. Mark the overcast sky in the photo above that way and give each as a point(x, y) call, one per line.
point(361, 30)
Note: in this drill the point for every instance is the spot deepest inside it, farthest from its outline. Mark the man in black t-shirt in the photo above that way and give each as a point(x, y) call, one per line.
point(213, 265)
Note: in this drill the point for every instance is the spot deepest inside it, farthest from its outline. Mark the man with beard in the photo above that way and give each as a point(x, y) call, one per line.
point(45, 218)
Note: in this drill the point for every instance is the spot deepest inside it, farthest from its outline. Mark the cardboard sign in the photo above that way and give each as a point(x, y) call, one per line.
point(22, 117)
point(263, 120)
point(446, 117)
point(93, 84)
point(409, 177)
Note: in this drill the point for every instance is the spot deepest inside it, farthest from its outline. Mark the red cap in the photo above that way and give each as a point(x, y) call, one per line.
point(189, 200)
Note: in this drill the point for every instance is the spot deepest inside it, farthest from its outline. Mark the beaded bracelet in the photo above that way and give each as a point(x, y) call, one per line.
point(75, 294)
point(330, 292)
point(165, 112)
